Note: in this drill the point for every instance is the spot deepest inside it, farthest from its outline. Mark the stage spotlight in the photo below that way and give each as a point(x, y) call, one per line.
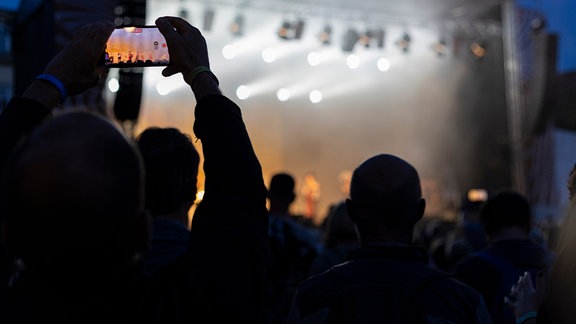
point(478, 50)
point(440, 47)
point(237, 26)
point(163, 88)
point(113, 85)
point(313, 58)
point(379, 36)
point(365, 38)
point(269, 55)
point(315, 96)
point(229, 51)
point(404, 43)
point(383, 64)
point(325, 36)
point(353, 61)
point(283, 94)
point(243, 92)
point(208, 19)
point(350, 39)
point(285, 30)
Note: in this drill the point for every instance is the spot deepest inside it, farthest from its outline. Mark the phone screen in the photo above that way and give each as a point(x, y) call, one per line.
point(135, 47)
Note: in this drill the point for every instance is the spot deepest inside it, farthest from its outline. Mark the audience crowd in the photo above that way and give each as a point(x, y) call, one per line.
point(95, 225)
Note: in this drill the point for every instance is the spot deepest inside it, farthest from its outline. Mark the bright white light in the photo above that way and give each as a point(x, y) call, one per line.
point(269, 55)
point(315, 96)
point(163, 88)
point(353, 61)
point(383, 64)
point(229, 51)
point(243, 92)
point(313, 58)
point(113, 85)
point(283, 94)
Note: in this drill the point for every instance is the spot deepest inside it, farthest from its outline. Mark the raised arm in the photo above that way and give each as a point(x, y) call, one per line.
point(228, 240)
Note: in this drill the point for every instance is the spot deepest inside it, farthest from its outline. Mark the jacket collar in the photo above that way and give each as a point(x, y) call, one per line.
point(390, 250)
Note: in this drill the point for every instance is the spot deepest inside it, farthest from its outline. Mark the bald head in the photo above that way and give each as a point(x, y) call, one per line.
point(386, 189)
point(77, 183)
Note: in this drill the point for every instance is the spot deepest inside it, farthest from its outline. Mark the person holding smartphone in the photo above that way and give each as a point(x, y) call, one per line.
point(90, 270)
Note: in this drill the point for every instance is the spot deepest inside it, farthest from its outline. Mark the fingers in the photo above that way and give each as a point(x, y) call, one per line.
point(170, 70)
point(98, 32)
point(169, 24)
point(103, 31)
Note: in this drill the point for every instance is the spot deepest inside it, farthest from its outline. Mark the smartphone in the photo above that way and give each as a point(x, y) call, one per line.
point(136, 46)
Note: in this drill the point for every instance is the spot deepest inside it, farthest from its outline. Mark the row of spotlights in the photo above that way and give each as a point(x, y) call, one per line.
point(243, 92)
point(270, 55)
point(290, 30)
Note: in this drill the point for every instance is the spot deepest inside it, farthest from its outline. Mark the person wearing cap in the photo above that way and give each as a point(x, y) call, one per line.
point(387, 278)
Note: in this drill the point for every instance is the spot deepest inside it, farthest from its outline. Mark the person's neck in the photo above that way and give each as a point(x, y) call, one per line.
point(180, 215)
point(510, 233)
point(395, 236)
point(279, 209)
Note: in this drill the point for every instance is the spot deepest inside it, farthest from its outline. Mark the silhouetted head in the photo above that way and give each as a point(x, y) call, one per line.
point(75, 195)
point(171, 164)
point(281, 188)
point(506, 209)
point(385, 194)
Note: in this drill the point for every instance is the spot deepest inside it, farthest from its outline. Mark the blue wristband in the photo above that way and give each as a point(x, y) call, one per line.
point(526, 316)
point(56, 83)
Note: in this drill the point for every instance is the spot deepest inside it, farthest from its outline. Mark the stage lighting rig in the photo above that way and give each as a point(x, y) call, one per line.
point(285, 30)
point(404, 43)
point(365, 38)
point(350, 39)
point(183, 12)
point(325, 36)
point(440, 47)
point(291, 30)
point(237, 25)
point(208, 19)
point(478, 49)
point(379, 36)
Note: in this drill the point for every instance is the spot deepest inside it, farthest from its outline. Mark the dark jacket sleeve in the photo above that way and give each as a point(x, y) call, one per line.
point(228, 239)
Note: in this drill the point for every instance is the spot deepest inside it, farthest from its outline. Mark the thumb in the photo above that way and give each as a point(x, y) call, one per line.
point(169, 70)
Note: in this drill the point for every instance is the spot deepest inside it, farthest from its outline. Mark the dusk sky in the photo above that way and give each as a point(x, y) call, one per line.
point(560, 20)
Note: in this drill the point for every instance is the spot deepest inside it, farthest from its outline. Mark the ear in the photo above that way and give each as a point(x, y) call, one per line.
point(421, 208)
point(144, 236)
point(350, 209)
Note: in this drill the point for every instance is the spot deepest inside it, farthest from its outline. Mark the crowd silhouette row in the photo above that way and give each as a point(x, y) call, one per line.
point(95, 224)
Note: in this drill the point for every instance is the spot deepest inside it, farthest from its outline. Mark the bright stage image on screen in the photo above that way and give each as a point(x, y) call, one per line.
point(136, 46)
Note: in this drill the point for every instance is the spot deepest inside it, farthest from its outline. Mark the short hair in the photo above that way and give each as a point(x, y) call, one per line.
point(171, 164)
point(507, 208)
point(388, 189)
point(75, 185)
point(281, 187)
point(572, 183)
